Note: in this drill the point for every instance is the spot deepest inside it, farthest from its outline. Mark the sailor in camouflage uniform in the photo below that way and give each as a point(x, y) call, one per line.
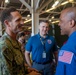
point(12, 61)
point(10, 49)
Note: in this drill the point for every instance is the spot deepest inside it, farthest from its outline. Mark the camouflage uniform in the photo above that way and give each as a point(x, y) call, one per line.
point(11, 57)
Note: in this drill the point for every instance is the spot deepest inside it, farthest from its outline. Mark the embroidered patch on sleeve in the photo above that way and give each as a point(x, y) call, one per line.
point(65, 56)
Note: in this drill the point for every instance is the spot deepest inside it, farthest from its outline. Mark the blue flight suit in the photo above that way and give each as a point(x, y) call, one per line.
point(67, 57)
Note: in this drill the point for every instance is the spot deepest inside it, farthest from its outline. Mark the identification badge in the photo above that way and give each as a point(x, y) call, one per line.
point(44, 55)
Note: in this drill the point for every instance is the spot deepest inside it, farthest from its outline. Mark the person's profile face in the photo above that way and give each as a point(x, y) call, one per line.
point(64, 24)
point(16, 23)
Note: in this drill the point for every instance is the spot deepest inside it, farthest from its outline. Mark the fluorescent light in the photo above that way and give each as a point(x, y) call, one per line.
point(50, 20)
point(55, 4)
point(27, 21)
point(52, 17)
point(64, 2)
point(28, 15)
point(6, 1)
point(50, 9)
point(71, 0)
point(29, 27)
point(55, 21)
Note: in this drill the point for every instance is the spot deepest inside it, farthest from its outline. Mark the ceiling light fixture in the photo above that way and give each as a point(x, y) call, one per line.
point(50, 9)
point(64, 2)
point(7, 1)
point(55, 4)
point(27, 21)
point(71, 0)
point(28, 15)
point(29, 28)
point(55, 21)
point(52, 17)
point(50, 20)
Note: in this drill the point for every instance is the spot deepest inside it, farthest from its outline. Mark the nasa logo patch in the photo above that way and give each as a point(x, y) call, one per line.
point(49, 41)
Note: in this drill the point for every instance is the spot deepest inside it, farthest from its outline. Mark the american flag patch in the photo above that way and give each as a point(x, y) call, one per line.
point(65, 56)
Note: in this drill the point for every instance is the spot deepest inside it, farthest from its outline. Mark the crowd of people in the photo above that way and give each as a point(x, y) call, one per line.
point(15, 54)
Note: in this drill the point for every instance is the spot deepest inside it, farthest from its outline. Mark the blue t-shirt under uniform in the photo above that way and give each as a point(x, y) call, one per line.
point(67, 57)
point(36, 47)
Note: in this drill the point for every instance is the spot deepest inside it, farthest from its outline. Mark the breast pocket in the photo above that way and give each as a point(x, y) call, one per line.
point(18, 57)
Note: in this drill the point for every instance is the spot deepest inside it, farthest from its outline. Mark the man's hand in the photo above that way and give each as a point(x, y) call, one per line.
point(32, 69)
point(34, 73)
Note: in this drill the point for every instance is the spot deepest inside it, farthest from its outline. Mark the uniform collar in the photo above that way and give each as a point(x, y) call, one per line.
point(42, 37)
point(14, 42)
point(73, 34)
point(5, 34)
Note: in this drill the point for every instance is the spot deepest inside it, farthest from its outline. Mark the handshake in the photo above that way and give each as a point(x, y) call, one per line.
point(32, 71)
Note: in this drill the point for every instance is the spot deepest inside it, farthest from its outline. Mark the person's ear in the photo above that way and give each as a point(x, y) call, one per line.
point(39, 27)
point(72, 23)
point(6, 22)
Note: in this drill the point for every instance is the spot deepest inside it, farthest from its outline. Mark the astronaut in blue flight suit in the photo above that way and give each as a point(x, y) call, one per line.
point(67, 54)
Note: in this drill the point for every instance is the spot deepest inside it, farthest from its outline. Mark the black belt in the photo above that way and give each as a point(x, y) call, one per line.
point(43, 63)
